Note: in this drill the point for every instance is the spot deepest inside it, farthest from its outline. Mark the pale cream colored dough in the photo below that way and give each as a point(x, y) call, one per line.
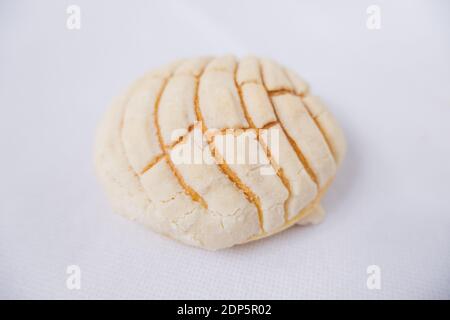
point(223, 203)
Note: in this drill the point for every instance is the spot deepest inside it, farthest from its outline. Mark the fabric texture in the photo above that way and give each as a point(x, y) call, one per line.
point(388, 206)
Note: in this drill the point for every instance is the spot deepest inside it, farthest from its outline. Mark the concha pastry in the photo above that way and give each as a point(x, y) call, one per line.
point(189, 110)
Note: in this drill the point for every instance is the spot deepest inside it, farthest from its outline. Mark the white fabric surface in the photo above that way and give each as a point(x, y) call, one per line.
point(389, 206)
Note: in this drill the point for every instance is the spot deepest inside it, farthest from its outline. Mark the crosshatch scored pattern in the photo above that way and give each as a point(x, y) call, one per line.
point(223, 204)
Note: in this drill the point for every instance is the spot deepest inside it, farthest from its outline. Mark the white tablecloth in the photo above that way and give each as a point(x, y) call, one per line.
point(390, 203)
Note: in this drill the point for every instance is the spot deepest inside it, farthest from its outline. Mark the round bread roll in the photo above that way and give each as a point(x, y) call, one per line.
point(215, 152)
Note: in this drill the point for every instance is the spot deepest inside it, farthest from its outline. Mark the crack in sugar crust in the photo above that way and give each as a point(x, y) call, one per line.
point(265, 149)
point(301, 96)
point(189, 191)
point(251, 197)
point(297, 150)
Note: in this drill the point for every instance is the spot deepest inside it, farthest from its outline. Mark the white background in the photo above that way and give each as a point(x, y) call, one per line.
point(389, 206)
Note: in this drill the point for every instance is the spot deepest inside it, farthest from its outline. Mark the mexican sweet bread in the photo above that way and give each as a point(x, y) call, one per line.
point(146, 142)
